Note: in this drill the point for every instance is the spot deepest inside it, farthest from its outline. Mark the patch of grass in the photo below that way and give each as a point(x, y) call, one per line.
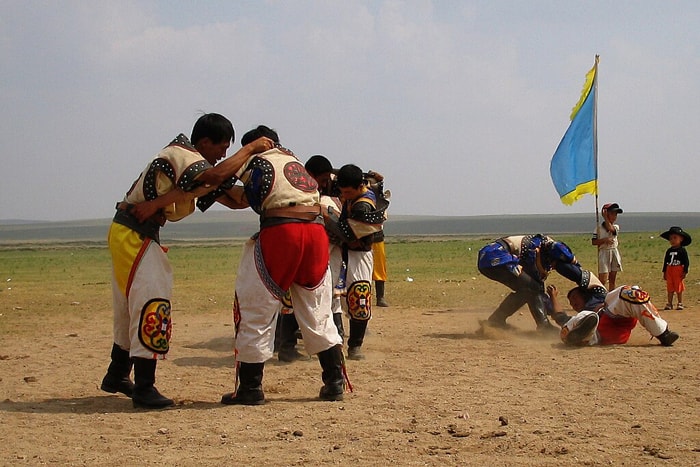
point(424, 272)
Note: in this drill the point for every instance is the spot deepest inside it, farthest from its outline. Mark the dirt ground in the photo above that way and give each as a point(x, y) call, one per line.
point(432, 391)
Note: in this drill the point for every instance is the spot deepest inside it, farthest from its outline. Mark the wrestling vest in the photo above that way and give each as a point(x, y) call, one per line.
point(276, 179)
point(177, 165)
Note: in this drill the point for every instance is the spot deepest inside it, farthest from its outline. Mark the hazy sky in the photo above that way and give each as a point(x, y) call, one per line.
point(460, 104)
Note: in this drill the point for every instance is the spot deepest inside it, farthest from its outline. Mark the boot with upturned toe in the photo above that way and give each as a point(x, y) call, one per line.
point(145, 395)
point(508, 306)
point(249, 391)
point(113, 384)
point(668, 337)
point(331, 361)
point(117, 377)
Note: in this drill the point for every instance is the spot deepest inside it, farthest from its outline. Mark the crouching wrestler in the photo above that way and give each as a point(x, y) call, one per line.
point(610, 319)
point(522, 263)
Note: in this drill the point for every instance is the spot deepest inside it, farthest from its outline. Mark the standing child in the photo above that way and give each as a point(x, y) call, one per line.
point(676, 265)
point(605, 238)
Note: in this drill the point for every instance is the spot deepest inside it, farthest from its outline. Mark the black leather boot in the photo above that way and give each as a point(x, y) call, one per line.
point(357, 337)
point(288, 340)
point(535, 302)
point(338, 321)
point(508, 306)
point(668, 337)
point(379, 290)
point(146, 396)
point(117, 377)
point(249, 391)
point(333, 382)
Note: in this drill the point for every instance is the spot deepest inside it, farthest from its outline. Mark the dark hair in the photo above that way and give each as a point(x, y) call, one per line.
point(216, 127)
point(259, 132)
point(350, 176)
point(317, 165)
point(581, 290)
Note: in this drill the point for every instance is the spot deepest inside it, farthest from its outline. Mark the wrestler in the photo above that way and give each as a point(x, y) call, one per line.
point(290, 253)
point(142, 276)
point(610, 319)
point(522, 263)
point(356, 227)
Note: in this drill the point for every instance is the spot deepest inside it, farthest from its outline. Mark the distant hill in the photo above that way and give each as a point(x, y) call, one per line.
point(226, 225)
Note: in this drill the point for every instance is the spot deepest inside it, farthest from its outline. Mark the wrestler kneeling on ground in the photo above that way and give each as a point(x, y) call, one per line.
point(609, 319)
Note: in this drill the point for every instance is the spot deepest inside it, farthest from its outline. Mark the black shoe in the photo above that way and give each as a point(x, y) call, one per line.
point(667, 338)
point(355, 353)
point(117, 377)
point(150, 398)
point(379, 288)
point(332, 392)
point(332, 363)
point(498, 323)
point(145, 395)
point(291, 355)
point(244, 397)
point(249, 392)
point(113, 384)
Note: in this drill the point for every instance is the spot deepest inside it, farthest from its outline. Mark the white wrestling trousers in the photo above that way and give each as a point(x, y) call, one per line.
point(335, 253)
point(646, 313)
point(152, 280)
point(255, 334)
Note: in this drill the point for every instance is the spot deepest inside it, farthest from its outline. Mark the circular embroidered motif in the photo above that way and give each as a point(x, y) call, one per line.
point(359, 300)
point(634, 295)
point(156, 327)
point(299, 178)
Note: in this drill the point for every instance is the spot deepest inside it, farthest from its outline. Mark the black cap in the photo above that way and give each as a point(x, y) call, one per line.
point(612, 207)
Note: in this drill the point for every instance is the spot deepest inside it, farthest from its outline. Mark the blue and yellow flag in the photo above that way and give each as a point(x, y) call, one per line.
point(574, 166)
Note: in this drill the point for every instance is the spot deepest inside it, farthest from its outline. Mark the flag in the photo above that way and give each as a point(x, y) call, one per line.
point(574, 166)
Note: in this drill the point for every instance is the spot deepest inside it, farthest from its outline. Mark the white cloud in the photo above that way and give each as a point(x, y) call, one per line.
point(459, 105)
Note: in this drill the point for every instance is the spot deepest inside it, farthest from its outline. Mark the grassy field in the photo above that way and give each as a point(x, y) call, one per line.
point(424, 272)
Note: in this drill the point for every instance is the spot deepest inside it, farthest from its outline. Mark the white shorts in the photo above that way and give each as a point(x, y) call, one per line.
point(609, 261)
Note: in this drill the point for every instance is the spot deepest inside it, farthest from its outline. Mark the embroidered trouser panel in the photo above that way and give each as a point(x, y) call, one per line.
point(142, 282)
point(359, 276)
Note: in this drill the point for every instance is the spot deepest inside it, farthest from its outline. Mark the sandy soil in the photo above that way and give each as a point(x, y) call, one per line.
point(431, 392)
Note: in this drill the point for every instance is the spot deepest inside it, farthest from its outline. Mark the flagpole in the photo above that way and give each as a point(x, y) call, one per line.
point(595, 147)
point(595, 138)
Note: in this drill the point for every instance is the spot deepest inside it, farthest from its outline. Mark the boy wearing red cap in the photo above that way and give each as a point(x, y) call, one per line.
point(605, 238)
